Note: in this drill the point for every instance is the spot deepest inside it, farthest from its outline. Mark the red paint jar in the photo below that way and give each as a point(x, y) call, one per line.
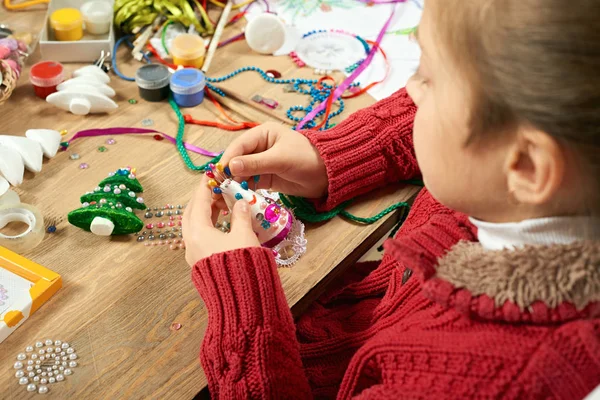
point(45, 76)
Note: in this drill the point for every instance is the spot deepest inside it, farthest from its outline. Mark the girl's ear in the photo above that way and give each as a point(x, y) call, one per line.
point(535, 167)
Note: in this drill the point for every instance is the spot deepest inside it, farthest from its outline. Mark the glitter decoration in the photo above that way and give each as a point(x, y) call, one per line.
point(51, 229)
point(158, 137)
point(176, 326)
point(111, 200)
point(132, 101)
point(102, 149)
point(74, 156)
point(147, 122)
point(111, 141)
point(84, 166)
point(63, 132)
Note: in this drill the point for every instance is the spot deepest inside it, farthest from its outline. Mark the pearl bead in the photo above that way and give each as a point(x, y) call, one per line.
point(29, 368)
point(61, 368)
point(31, 387)
point(131, 194)
point(70, 350)
point(39, 344)
point(65, 345)
point(20, 373)
point(60, 377)
point(34, 356)
point(31, 374)
point(44, 374)
point(68, 372)
point(52, 380)
point(29, 349)
point(42, 358)
point(21, 356)
point(43, 381)
point(49, 342)
point(36, 378)
point(23, 381)
point(18, 365)
point(139, 200)
point(49, 369)
point(38, 362)
point(54, 367)
point(57, 342)
point(38, 371)
point(43, 390)
point(49, 350)
point(30, 362)
point(64, 363)
point(173, 247)
point(73, 364)
point(42, 351)
point(106, 189)
point(57, 349)
point(117, 191)
point(122, 186)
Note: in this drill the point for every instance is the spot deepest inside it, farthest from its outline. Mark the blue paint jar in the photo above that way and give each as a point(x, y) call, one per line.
point(187, 86)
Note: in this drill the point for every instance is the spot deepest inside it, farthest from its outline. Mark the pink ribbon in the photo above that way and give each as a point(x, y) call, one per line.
point(344, 85)
point(281, 235)
point(136, 131)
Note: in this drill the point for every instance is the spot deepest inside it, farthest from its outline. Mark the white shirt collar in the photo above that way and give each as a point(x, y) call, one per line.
point(539, 231)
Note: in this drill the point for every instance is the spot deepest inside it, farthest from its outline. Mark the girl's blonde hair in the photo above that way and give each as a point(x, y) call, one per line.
point(533, 62)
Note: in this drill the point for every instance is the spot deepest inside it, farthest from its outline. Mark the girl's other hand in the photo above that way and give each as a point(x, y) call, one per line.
point(201, 237)
point(284, 159)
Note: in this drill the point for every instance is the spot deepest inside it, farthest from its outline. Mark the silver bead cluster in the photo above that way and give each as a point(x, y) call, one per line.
point(46, 362)
point(168, 210)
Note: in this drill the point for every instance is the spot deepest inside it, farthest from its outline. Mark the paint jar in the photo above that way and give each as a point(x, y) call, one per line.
point(45, 76)
point(188, 50)
point(67, 24)
point(97, 16)
point(187, 86)
point(153, 82)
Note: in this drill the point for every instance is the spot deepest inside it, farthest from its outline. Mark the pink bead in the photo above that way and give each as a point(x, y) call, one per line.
point(168, 242)
point(179, 223)
point(180, 218)
point(225, 212)
point(154, 244)
point(263, 205)
point(176, 241)
point(149, 226)
point(147, 244)
point(182, 245)
point(274, 227)
point(171, 223)
point(4, 52)
point(171, 218)
point(211, 166)
point(161, 243)
point(282, 221)
point(160, 225)
point(173, 247)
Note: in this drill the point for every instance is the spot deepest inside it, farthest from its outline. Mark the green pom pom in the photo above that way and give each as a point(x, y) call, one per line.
point(126, 222)
point(123, 198)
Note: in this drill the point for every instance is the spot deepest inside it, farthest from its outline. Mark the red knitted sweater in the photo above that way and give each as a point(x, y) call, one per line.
point(436, 318)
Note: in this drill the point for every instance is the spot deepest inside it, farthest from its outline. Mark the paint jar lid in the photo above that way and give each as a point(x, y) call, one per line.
point(152, 76)
point(46, 74)
point(187, 81)
point(66, 19)
point(97, 11)
point(188, 47)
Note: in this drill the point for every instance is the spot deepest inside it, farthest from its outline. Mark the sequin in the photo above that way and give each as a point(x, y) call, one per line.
point(147, 122)
point(159, 214)
point(102, 149)
point(84, 166)
point(132, 101)
point(74, 156)
point(111, 141)
point(158, 137)
point(51, 229)
point(148, 215)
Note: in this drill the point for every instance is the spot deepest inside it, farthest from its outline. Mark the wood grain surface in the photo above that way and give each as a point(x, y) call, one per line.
point(120, 298)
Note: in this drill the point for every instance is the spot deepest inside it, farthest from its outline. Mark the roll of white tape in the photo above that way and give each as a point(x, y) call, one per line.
point(31, 237)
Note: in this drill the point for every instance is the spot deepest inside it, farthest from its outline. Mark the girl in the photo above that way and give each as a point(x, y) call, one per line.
point(505, 128)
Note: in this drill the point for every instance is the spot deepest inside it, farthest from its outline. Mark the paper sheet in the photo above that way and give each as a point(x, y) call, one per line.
point(365, 21)
point(17, 290)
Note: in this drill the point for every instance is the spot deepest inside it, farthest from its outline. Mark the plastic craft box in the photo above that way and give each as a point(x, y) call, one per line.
point(19, 272)
point(86, 50)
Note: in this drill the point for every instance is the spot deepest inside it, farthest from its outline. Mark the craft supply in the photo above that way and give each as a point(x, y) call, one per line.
point(265, 33)
point(274, 225)
point(13, 53)
point(212, 47)
point(188, 50)
point(108, 209)
point(29, 286)
point(48, 139)
point(331, 50)
point(97, 16)
point(92, 72)
point(348, 81)
point(187, 86)
point(31, 236)
point(67, 24)
point(45, 76)
point(86, 84)
point(82, 103)
point(40, 365)
point(153, 82)
point(29, 150)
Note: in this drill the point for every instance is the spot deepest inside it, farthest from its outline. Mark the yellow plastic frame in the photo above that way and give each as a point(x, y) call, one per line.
point(45, 282)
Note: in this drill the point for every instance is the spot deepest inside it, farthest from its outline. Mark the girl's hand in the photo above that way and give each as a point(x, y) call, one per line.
point(284, 159)
point(201, 237)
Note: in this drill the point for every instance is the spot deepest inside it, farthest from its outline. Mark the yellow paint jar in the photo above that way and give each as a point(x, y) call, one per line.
point(188, 50)
point(67, 24)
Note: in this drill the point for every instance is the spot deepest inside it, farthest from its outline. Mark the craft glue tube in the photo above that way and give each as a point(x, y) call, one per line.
point(45, 76)
point(153, 81)
point(97, 16)
point(187, 86)
point(188, 50)
point(67, 24)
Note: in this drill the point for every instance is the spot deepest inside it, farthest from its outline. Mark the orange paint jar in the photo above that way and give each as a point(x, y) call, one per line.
point(188, 50)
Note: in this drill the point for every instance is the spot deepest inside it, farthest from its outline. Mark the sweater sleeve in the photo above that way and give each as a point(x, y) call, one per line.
point(250, 349)
point(369, 149)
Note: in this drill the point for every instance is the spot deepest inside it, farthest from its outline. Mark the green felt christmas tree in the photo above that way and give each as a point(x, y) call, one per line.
point(109, 209)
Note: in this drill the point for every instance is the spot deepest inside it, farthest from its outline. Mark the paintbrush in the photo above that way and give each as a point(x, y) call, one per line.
point(214, 42)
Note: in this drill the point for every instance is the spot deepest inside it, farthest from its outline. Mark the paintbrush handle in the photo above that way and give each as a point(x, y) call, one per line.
point(214, 42)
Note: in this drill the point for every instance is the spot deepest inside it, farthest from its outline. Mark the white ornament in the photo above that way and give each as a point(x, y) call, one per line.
point(11, 166)
point(92, 72)
point(82, 103)
point(48, 139)
point(29, 150)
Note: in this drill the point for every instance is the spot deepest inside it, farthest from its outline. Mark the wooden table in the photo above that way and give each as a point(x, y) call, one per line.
point(120, 298)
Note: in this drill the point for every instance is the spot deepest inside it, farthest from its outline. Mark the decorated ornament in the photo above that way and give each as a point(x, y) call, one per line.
point(108, 209)
point(274, 225)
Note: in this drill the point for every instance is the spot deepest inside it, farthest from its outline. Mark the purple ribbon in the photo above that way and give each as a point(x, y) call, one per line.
point(344, 85)
point(136, 131)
